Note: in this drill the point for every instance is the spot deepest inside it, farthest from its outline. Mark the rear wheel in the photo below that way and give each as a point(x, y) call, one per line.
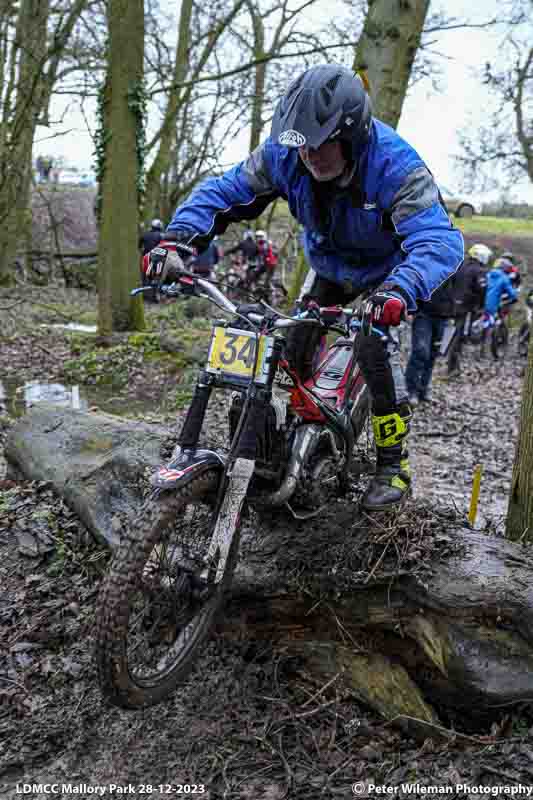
point(161, 596)
point(454, 354)
point(364, 456)
point(498, 340)
point(523, 340)
point(465, 211)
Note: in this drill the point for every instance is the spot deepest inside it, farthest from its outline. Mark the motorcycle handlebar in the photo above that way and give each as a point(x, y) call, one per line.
point(220, 299)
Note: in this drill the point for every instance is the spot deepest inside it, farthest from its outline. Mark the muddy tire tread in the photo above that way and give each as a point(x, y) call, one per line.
point(112, 612)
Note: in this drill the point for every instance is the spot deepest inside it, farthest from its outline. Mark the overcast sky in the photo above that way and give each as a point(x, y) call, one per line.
point(430, 121)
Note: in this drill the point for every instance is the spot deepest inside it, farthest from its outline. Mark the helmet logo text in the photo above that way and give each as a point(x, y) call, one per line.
point(292, 138)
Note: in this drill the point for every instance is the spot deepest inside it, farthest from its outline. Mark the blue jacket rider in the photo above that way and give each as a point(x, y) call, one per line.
point(373, 222)
point(498, 284)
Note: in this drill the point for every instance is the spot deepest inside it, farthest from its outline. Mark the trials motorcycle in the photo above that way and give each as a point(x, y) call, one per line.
point(291, 445)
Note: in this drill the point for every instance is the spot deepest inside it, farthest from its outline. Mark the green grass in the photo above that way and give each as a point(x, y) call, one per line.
point(478, 224)
point(495, 225)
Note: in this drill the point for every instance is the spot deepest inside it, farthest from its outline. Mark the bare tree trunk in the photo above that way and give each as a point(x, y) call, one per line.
point(298, 278)
point(386, 51)
point(118, 265)
point(19, 130)
point(524, 131)
point(179, 97)
point(520, 511)
point(259, 78)
point(28, 68)
point(161, 162)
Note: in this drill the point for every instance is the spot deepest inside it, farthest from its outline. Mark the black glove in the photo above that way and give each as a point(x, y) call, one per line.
point(386, 306)
point(164, 264)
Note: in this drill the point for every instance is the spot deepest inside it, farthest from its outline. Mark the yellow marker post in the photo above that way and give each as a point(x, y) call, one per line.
point(476, 483)
point(363, 74)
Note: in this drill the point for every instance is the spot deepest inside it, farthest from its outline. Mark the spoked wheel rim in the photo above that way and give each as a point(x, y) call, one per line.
point(175, 598)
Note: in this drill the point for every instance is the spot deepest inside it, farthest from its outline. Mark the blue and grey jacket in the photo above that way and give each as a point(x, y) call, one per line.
point(498, 284)
point(388, 222)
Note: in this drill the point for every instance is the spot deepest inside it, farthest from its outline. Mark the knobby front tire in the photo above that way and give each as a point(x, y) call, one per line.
point(154, 611)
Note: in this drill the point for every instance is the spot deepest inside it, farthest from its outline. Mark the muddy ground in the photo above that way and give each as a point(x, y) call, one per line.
point(249, 723)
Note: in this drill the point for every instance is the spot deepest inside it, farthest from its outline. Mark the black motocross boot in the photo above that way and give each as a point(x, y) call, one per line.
point(391, 483)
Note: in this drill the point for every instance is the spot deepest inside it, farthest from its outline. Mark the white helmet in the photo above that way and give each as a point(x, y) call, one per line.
point(260, 235)
point(481, 253)
point(157, 225)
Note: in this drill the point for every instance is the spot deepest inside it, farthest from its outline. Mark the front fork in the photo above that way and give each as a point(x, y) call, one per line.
point(192, 427)
point(239, 469)
point(252, 421)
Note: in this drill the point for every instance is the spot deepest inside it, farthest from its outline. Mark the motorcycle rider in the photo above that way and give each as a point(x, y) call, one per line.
point(150, 239)
point(500, 282)
point(205, 263)
point(426, 337)
point(469, 287)
point(265, 260)
point(247, 247)
point(373, 224)
point(147, 241)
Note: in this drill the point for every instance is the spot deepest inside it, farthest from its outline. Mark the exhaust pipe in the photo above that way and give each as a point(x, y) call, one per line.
point(306, 439)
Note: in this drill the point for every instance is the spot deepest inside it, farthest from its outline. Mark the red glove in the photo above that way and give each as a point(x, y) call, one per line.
point(386, 306)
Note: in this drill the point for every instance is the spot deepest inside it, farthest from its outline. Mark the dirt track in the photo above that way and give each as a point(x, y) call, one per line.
point(249, 723)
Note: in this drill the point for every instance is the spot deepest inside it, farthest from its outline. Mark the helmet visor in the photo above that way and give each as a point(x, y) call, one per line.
point(298, 127)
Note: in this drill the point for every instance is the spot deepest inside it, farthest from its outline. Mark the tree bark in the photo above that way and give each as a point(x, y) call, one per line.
point(298, 278)
point(519, 525)
point(161, 161)
point(95, 461)
point(24, 97)
point(524, 129)
point(386, 51)
point(258, 98)
point(28, 72)
point(520, 512)
point(179, 97)
point(118, 267)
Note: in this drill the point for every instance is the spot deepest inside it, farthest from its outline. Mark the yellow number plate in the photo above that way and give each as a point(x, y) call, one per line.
point(233, 352)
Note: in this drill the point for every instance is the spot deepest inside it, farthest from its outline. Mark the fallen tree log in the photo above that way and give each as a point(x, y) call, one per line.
point(416, 615)
point(96, 462)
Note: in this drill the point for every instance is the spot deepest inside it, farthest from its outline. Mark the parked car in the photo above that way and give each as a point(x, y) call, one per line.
point(459, 205)
point(75, 177)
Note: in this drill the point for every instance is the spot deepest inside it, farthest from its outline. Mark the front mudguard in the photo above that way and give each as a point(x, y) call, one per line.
point(185, 465)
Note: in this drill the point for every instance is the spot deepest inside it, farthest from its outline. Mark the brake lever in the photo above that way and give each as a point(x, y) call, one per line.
point(141, 289)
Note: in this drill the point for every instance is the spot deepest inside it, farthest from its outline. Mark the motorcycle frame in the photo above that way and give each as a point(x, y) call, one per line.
point(257, 397)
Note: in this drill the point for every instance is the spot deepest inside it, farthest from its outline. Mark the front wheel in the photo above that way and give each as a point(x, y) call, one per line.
point(278, 294)
point(498, 341)
point(161, 596)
